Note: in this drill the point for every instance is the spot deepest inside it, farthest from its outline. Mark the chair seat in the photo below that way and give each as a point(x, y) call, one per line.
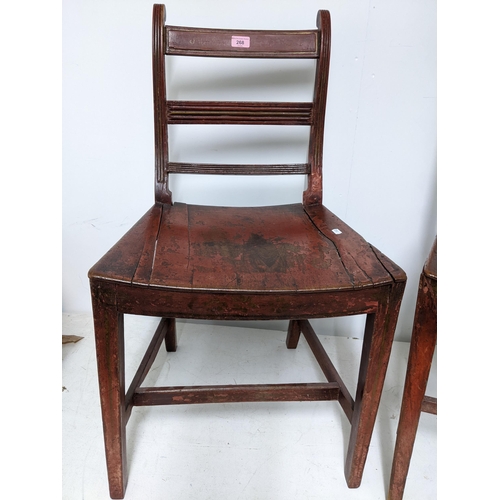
point(255, 249)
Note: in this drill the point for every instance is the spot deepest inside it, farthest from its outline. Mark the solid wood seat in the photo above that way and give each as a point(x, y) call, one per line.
point(259, 249)
point(293, 262)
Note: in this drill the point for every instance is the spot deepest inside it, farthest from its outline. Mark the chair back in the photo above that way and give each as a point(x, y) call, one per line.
point(186, 41)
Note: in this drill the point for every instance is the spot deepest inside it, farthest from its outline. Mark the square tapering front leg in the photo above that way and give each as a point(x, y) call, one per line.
point(378, 337)
point(108, 327)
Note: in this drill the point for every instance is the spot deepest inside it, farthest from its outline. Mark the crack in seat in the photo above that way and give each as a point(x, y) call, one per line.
point(251, 249)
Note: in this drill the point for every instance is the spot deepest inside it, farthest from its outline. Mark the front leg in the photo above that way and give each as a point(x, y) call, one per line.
point(110, 352)
point(377, 345)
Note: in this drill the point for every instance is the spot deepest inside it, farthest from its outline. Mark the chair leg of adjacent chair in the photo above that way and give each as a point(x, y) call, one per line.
point(378, 337)
point(109, 336)
point(422, 346)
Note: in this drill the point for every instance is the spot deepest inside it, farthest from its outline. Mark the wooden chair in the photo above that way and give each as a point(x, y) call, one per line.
point(422, 346)
point(291, 262)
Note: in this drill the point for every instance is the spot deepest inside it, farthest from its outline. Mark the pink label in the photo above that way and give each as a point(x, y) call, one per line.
point(240, 41)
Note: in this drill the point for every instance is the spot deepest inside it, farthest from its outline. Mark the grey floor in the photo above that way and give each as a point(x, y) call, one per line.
point(253, 451)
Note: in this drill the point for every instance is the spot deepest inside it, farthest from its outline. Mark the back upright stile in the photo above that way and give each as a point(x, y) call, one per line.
point(162, 192)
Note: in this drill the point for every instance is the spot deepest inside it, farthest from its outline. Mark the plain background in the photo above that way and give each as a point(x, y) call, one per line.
point(380, 131)
point(31, 212)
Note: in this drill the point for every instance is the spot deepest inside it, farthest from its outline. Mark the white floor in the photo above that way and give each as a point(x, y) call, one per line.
point(252, 451)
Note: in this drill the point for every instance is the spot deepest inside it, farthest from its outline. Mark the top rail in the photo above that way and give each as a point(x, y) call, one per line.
point(210, 42)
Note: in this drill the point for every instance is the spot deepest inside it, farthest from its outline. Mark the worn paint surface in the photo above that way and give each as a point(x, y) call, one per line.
point(278, 248)
point(293, 261)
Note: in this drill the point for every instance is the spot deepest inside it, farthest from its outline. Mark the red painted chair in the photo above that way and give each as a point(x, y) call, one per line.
point(292, 262)
point(422, 346)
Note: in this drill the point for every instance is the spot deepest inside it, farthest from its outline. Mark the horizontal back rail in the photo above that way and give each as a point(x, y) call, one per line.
point(239, 112)
point(209, 42)
point(237, 169)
